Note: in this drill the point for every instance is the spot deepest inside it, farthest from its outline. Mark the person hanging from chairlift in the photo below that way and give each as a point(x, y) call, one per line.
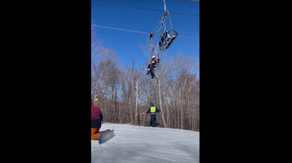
point(152, 65)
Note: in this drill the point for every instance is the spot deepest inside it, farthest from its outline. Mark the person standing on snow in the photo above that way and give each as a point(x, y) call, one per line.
point(153, 110)
point(96, 120)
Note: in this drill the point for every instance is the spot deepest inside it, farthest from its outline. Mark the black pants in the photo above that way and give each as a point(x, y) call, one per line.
point(96, 123)
point(151, 67)
point(153, 120)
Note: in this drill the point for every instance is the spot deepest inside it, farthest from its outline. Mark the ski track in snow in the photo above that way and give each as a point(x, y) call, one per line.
point(139, 144)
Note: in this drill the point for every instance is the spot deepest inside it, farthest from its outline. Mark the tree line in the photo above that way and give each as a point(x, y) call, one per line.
point(124, 92)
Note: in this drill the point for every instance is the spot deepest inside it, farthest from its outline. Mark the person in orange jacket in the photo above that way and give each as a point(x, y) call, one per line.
point(96, 121)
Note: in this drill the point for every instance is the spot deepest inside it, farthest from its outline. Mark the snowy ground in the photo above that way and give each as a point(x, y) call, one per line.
point(139, 144)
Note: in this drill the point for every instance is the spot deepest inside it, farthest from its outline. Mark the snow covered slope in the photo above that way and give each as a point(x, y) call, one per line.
point(139, 144)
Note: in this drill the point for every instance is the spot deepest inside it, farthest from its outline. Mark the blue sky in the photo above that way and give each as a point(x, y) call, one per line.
point(126, 44)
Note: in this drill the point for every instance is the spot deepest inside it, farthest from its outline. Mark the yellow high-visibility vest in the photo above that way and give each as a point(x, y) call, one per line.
point(152, 109)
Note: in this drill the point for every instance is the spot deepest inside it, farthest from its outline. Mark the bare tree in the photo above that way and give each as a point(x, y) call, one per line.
point(124, 92)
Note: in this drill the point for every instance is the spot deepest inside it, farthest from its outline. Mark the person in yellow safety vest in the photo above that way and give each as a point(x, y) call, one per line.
point(153, 110)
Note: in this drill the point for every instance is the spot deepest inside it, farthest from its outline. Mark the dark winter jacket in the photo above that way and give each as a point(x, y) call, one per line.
point(155, 110)
point(95, 112)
